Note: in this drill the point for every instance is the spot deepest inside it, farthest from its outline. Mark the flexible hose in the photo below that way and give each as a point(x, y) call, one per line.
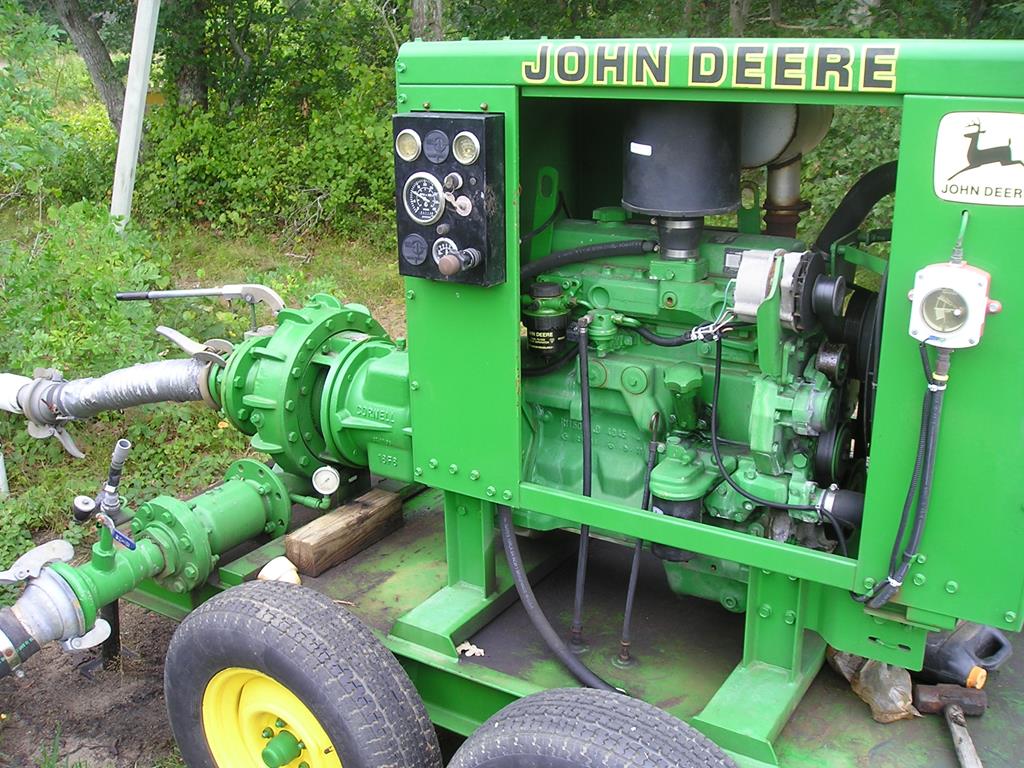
point(937, 386)
point(533, 610)
point(584, 253)
point(857, 204)
point(576, 630)
point(666, 341)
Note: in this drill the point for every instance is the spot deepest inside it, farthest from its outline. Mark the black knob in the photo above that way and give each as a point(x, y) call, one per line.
point(83, 508)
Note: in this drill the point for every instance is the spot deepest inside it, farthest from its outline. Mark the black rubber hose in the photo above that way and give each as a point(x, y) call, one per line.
point(576, 630)
point(638, 547)
point(568, 354)
point(559, 208)
point(857, 204)
point(666, 341)
point(582, 254)
point(892, 584)
point(533, 610)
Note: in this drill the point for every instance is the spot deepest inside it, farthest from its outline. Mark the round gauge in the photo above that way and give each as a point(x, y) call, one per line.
point(442, 247)
point(408, 144)
point(466, 148)
point(424, 198)
point(944, 310)
point(435, 146)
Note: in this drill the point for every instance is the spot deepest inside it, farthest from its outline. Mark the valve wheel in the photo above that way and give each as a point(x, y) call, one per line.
point(586, 728)
point(272, 675)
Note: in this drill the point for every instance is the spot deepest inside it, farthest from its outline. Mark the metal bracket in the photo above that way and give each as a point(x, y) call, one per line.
point(98, 634)
point(212, 352)
point(43, 419)
point(31, 564)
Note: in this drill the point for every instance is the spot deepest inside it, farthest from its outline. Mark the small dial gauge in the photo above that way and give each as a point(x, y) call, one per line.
point(408, 145)
point(466, 148)
point(944, 310)
point(424, 198)
point(442, 247)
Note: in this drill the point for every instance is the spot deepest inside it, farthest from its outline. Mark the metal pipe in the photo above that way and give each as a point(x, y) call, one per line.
point(134, 111)
point(576, 630)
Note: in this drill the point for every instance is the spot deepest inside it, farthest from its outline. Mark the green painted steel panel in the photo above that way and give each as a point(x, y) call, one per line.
point(464, 343)
point(984, 68)
point(971, 566)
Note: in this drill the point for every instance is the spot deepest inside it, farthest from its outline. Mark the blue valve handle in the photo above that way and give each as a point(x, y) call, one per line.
point(123, 539)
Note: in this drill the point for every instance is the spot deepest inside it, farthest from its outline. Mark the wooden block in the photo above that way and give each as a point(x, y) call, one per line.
point(341, 533)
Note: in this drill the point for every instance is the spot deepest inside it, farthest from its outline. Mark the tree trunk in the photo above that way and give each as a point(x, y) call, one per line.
point(975, 14)
point(688, 18)
point(775, 11)
point(427, 19)
point(95, 55)
point(188, 32)
point(738, 11)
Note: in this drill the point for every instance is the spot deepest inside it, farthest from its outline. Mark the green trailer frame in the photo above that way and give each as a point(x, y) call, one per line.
point(469, 449)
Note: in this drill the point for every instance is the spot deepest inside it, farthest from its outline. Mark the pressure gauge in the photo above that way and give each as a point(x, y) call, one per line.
point(424, 198)
point(944, 310)
point(408, 145)
point(950, 304)
point(442, 247)
point(466, 148)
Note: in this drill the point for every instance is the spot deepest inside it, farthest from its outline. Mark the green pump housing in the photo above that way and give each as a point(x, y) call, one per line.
point(592, 188)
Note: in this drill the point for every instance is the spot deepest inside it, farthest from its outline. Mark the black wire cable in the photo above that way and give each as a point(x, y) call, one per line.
point(576, 630)
point(533, 610)
point(569, 353)
point(559, 208)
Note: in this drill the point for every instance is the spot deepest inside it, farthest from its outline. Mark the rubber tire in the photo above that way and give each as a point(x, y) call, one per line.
point(586, 728)
point(321, 652)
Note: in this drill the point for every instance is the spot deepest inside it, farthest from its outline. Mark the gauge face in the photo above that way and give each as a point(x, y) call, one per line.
point(466, 148)
point(944, 310)
point(408, 145)
point(442, 247)
point(435, 146)
point(424, 198)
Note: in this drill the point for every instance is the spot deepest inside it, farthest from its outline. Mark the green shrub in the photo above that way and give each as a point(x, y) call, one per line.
point(57, 295)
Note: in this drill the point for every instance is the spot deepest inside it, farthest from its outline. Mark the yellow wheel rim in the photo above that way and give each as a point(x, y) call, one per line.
point(243, 710)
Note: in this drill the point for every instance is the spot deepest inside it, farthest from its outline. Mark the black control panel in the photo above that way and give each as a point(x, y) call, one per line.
point(450, 196)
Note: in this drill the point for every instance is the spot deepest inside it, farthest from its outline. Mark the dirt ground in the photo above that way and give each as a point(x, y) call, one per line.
point(117, 720)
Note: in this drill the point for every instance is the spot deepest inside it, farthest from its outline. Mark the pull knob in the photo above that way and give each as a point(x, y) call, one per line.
point(453, 263)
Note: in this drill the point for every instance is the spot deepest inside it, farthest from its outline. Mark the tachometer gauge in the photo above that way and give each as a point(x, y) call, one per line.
point(424, 198)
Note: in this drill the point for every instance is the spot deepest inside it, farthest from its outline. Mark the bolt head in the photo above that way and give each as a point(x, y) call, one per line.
point(764, 611)
point(952, 587)
point(506, 495)
point(1010, 617)
point(453, 469)
point(474, 475)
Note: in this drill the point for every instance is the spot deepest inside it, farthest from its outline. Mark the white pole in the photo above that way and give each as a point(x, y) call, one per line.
point(134, 109)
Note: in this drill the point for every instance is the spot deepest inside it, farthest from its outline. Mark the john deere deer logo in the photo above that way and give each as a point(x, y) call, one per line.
point(977, 157)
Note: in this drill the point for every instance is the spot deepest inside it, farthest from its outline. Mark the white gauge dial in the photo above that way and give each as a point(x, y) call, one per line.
point(944, 310)
point(424, 198)
point(466, 148)
point(408, 145)
point(442, 247)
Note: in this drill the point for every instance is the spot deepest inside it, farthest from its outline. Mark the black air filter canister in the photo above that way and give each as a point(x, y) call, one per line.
point(681, 159)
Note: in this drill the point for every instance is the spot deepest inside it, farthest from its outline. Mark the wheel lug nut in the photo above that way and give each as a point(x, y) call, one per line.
point(268, 733)
point(280, 723)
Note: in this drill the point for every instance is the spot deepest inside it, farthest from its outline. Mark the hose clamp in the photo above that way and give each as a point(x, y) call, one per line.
point(9, 654)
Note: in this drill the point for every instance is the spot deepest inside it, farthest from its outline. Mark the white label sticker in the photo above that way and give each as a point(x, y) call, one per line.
point(979, 158)
point(641, 149)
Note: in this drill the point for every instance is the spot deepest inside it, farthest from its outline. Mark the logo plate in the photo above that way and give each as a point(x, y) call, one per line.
point(979, 158)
